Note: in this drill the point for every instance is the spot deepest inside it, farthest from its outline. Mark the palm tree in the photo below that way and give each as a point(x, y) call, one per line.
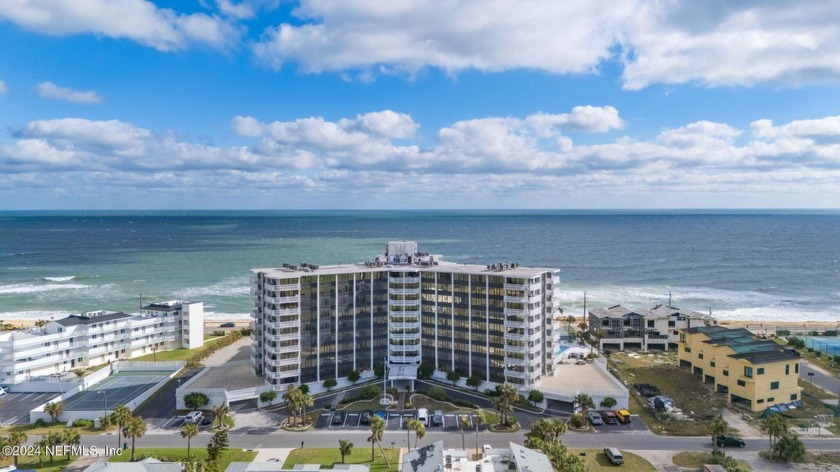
point(292, 399)
point(221, 413)
point(135, 428)
point(189, 431)
point(70, 437)
point(419, 433)
point(508, 395)
point(120, 416)
point(17, 439)
point(776, 427)
point(306, 401)
point(345, 448)
point(377, 432)
point(719, 428)
point(79, 372)
point(480, 418)
point(464, 423)
point(53, 440)
point(54, 409)
point(410, 425)
point(584, 401)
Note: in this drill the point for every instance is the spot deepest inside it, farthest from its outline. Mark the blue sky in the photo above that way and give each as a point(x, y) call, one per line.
point(418, 104)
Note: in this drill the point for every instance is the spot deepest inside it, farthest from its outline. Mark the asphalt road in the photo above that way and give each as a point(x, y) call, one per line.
point(832, 384)
point(638, 441)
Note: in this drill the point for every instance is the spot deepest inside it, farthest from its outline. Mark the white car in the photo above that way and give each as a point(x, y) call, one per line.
point(3, 391)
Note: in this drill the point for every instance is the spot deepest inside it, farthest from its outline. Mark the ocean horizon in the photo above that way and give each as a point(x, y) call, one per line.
point(745, 264)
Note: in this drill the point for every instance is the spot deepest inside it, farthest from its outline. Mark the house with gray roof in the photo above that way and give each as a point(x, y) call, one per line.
point(146, 465)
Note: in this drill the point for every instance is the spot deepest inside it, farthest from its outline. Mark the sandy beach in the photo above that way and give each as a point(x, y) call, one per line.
point(209, 325)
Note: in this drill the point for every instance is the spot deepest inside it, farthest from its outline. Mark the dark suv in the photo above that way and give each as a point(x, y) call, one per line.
point(365, 417)
point(729, 441)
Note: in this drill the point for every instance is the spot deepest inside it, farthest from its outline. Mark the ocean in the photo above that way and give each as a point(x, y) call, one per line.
point(745, 265)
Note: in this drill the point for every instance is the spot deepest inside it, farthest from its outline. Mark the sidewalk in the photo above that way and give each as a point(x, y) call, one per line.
point(273, 454)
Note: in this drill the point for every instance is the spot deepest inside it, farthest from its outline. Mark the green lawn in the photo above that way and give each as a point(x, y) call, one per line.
point(597, 461)
point(197, 451)
point(330, 456)
point(177, 354)
point(30, 462)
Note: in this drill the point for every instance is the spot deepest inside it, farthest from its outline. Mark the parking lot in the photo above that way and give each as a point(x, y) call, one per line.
point(635, 424)
point(395, 421)
point(15, 407)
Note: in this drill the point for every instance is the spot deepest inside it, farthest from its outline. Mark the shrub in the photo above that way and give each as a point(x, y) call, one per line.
point(369, 392)
point(40, 423)
point(577, 420)
point(80, 423)
point(196, 400)
point(218, 333)
point(354, 376)
point(437, 393)
point(817, 353)
point(407, 405)
point(464, 403)
point(491, 392)
point(393, 392)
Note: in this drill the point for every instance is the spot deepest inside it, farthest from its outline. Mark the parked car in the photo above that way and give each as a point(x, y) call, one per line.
point(646, 390)
point(423, 416)
point(613, 455)
point(437, 418)
point(623, 416)
point(594, 418)
point(194, 417)
point(338, 417)
point(609, 417)
point(365, 417)
point(229, 324)
point(729, 441)
point(3, 391)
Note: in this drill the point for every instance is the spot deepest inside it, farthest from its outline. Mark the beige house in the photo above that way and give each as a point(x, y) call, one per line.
point(752, 372)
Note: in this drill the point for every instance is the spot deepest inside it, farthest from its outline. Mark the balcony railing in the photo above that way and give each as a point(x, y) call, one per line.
point(404, 291)
point(279, 362)
point(515, 373)
point(404, 280)
point(283, 312)
point(280, 300)
point(520, 287)
point(282, 324)
point(404, 302)
point(282, 375)
point(403, 359)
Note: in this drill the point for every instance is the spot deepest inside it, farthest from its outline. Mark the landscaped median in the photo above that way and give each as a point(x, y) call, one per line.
point(596, 461)
point(360, 454)
point(197, 452)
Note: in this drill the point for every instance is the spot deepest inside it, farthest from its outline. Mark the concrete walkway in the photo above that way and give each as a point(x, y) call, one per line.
point(273, 454)
point(238, 351)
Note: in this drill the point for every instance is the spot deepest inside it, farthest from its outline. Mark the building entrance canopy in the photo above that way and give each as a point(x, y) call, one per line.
point(402, 371)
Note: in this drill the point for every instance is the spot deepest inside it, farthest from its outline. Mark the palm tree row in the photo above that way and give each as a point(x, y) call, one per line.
point(128, 425)
point(508, 396)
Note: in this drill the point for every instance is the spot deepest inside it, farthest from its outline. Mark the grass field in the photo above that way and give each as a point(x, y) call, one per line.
point(691, 396)
point(597, 461)
point(197, 451)
point(32, 463)
point(327, 457)
point(177, 354)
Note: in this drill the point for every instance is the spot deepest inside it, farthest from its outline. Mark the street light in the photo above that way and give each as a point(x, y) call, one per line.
point(105, 399)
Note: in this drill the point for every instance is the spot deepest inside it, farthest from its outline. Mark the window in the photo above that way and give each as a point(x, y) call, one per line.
point(760, 400)
point(796, 368)
point(700, 355)
point(787, 369)
point(760, 371)
point(748, 372)
point(741, 383)
point(687, 349)
point(726, 372)
point(774, 385)
point(793, 396)
point(712, 363)
point(771, 399)
point(682, 337)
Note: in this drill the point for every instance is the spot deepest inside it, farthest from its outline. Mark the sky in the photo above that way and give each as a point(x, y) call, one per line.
point(419, 104)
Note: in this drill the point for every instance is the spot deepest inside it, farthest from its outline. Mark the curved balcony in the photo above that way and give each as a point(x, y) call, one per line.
point(404, 291)
point(280, 300)
point(403, 302)
point(282, 324)
point(399, 359)
point(408, 336)
point(283, 312)
point(279, 362)
point(281, 374)
point(404, 325)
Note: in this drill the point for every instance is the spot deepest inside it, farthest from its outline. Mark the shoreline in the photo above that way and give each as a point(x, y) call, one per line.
point(768, 326)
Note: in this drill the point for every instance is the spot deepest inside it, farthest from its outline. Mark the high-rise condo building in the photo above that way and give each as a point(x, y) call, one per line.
point(404, 308)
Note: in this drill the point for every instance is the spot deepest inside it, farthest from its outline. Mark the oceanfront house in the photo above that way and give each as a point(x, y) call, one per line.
point(754, 373)
point(404, 308)
point(516, 458)
point(621, 328)
point(98, 337)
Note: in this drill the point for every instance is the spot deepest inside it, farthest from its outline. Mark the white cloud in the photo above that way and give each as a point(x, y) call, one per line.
point(493, 35)
point(137, 20)
point(3, 87)
point(714, 43)
point(51, 90)
point(478, 162)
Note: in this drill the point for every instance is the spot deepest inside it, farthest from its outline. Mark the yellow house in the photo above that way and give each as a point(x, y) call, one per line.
point(752, 372)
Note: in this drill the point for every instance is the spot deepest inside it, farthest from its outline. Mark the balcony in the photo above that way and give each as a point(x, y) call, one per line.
point(282, 287)
point(516, 299)
point(404, 325)
point(280, 362)
point(284, 312)
point(404, 336)
point(515, 361)
point(516, 374)
point(519, 287)
point(516, 336)
point(280, 300)
point(398, 359)
point(281, 375)
point(404, 280)
point(403, 302)
point(412, 313)
point(282, 324)
point(404, 291)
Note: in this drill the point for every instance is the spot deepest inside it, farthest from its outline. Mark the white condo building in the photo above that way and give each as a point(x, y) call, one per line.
point(404, 308)
point(98, 337)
